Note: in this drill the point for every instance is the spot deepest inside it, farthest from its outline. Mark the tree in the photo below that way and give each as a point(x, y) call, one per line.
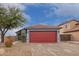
point(10, 18)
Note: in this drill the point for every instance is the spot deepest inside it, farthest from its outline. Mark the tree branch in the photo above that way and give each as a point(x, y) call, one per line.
point(0, 29)
point(5, 31)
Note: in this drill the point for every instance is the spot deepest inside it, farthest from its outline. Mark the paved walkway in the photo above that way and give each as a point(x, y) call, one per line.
point(44, 49)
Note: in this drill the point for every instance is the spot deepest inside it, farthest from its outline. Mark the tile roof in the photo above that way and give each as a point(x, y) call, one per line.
point(42, 26)
point(68, 21)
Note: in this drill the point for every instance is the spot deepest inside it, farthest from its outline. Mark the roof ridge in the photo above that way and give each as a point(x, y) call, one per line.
point(68, 21)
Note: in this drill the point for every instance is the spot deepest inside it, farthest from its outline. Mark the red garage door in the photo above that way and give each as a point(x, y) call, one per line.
point(43, 36)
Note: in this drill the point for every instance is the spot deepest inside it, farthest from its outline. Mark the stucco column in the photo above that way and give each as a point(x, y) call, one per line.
point(58, 36)
point(27, 36)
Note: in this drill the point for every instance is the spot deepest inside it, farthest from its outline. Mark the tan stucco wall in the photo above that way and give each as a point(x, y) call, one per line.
point(75, 36)
point(70, 25)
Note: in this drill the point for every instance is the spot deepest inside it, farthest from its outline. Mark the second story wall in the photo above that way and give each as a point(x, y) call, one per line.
point(67, 26)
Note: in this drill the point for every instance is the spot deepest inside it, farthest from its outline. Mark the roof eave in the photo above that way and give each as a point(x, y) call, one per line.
point(71, 31)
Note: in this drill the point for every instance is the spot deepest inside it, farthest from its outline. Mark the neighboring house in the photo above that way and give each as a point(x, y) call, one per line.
point(42, 34)
point(70, 27)
point(21, 34)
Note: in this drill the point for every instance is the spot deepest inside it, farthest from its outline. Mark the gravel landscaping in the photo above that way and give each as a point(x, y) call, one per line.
point(40, 49)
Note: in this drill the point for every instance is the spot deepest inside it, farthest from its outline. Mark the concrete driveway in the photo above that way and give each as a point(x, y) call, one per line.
point(41, 49)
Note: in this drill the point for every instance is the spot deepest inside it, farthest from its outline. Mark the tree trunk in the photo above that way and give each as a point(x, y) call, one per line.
point(2, 38)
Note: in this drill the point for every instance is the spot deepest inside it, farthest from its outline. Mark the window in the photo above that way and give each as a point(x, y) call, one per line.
point(65, 25)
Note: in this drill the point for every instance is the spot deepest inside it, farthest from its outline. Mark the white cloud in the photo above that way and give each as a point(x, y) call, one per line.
point(18, 5)
point(26, 16)
point(64, 10)
point(21, 6)
point(67, 9)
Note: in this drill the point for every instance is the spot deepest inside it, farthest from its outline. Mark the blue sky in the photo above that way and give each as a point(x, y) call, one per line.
point(46, 13)
point(51, 14)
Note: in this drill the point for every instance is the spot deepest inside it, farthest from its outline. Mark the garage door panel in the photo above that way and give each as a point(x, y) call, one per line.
point(42, 36)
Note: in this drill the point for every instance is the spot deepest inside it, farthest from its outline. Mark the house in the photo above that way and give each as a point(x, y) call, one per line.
point(70, 27)
point(42, 34)
point(22, 34)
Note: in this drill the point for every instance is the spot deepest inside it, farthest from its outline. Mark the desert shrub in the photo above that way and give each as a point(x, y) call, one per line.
point(8, 42)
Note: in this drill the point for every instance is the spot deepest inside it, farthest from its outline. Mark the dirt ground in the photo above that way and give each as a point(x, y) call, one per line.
point(41, 49)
